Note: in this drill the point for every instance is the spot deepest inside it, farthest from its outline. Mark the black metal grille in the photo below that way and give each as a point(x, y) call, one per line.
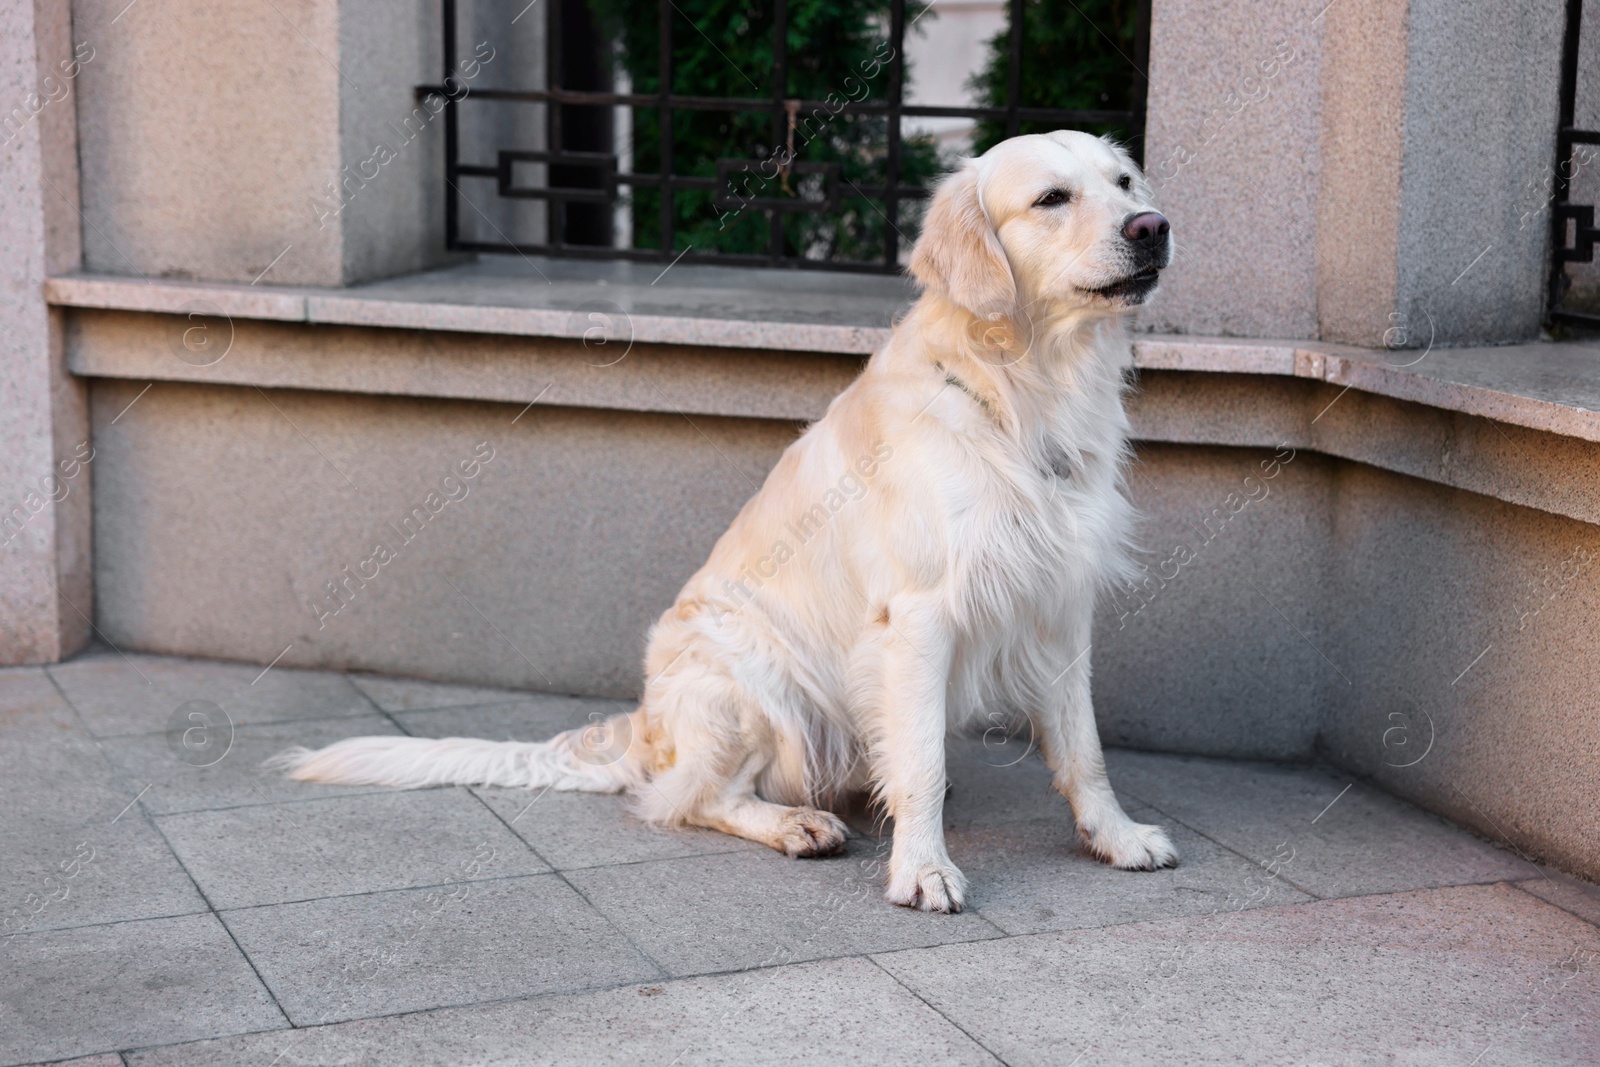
point(1573, 232)
point(606, 182)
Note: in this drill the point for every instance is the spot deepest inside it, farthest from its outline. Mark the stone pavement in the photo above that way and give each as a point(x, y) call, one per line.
point(167, 901)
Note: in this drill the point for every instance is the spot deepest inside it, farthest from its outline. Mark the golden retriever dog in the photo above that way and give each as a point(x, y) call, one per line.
point(926, 554)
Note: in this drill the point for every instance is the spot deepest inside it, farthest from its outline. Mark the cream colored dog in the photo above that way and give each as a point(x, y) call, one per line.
point(928, 552)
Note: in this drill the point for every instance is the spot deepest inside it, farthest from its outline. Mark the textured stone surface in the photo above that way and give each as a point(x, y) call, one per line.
point(405, 694)
point(1540, 386)
point(273, 853)
point(427, 362)
point(131, 694)
point(1541, 471)
point(1476, 623)
point(45, 579)
point(531, 717)
point(1363, 165)
point(1014, 837)
point(1431, 977)
point(1162, 677)
point(1232, 150)
point(599, 962)
point(65, 876)
point(1545, 386)
point(1326, 172)
point(1328, 839)
point(238, 777)
point(51, 771)
point(99, 988)
point(575, 830)
point(812, 311)
point(1575, 895)
point(351, 68)
point(220, 108)
point(1476, 75)
point(832, 1012)
point(757, 909)
point(559, 505)
point(386, 953)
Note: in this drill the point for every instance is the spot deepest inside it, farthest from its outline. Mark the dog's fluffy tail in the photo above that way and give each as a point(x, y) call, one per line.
point(595, 759)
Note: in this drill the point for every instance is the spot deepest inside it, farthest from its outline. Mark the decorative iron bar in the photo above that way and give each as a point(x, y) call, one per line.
point(888, 196)
point(1573, 232)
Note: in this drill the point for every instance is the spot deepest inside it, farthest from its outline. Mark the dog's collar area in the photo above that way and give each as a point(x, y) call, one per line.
point(1056, 464)
point(977, 397)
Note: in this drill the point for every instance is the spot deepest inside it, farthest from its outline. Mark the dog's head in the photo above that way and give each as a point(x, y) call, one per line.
point(1061, 221)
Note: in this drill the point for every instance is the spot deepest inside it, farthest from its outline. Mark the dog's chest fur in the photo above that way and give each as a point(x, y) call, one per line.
point(1050, 524)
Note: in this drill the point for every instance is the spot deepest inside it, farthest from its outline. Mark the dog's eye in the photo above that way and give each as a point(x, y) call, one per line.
point(1125, 182)
point(1052, 198)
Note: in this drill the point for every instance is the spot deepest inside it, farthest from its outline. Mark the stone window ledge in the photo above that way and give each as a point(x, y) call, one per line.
point(721, 307)
point(1548, 387)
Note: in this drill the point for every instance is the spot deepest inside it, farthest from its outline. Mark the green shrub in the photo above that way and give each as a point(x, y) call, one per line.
point(724, 48)
point(1076, 54)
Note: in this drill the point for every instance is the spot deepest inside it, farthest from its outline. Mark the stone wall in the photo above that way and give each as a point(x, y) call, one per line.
point(1360, 171)
point(46, 597)
point(1362, 614)
point(285, 143)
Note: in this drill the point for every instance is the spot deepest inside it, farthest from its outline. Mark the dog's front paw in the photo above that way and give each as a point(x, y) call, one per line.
point(1133, 846)
point(928, 886)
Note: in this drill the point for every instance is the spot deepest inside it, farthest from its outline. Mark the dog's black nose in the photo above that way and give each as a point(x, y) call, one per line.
point(1147, 226)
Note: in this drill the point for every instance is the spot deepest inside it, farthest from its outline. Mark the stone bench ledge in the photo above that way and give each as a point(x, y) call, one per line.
point(1553, 387)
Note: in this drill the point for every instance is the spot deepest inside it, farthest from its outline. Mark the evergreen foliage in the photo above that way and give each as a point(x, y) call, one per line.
point(836, 52)
point(1076, 54)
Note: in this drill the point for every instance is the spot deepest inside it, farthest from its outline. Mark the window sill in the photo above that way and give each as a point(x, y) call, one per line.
point(721, 307)
point(1554, 388)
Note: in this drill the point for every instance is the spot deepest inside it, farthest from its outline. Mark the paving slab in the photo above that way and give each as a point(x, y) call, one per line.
point(535, 717)
point(51, 771)
point(59, 877)
point(759, 909)
point(274, 853)
point(830, 1012)
point(135, 693)
point(1564, 891)
point(1032, 875)
point(96, 989)
point(1342, 842)
point(576, 830)
point(1014, 836)
point(1480, 975)
point(433, 930)
point(410, 694)
point(237, 777)
point(410, 949)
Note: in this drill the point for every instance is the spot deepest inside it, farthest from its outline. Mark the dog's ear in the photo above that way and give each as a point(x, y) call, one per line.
point(959, 254)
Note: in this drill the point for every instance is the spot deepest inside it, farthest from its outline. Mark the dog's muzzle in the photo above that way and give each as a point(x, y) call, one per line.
point(1150, 249)
point(1149, 236)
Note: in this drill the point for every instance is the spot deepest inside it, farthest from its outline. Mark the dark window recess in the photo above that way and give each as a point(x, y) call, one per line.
point(819, 179)
point(579, 59)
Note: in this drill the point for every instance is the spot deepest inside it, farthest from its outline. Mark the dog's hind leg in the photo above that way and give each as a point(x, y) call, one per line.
point(1066, 725)
point(716, 743)
point(797, 832)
